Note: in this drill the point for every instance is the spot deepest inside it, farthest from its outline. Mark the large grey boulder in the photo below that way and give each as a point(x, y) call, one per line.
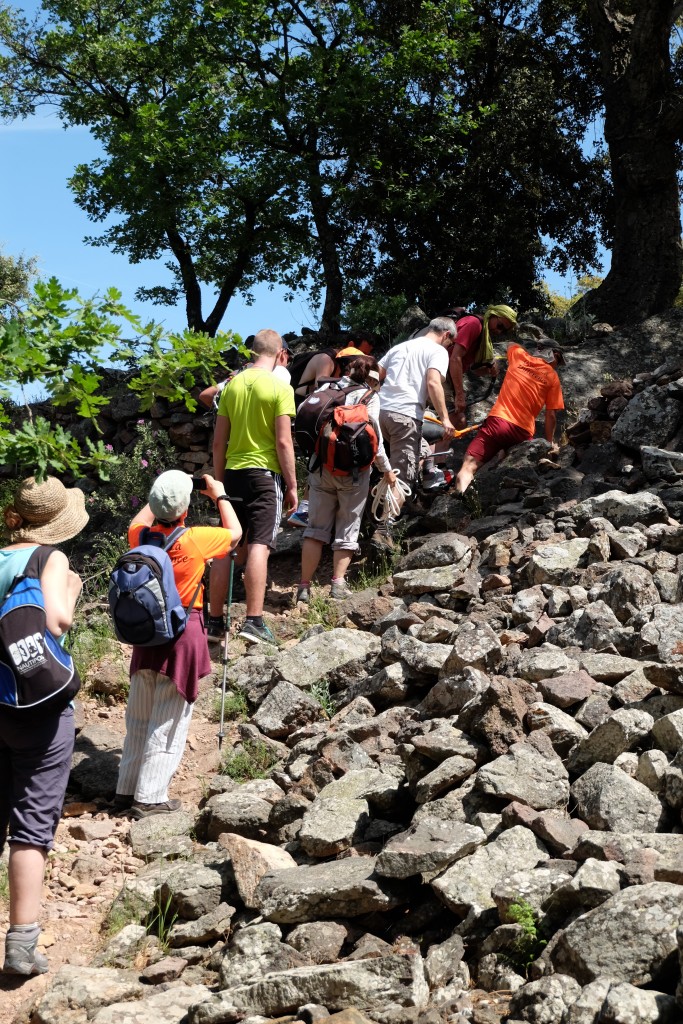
point(439, 549)
point(526, 775)
point(558, 562)
point(191, 890)
point(341, 656)
point(476, 646)
point(427, 581)
point(169, 1007)
point(284, 710)
point(240, 811)
point(343, 888)
point(427, 848)
point(631, 937)
point(544, 1001)
point(341, 811)
point(622, 731)
point(622, 509)
point(382, 986)
point(661, 638)
point(448, 774)
point(650, 418)
point(95, 761)
point(254, 951)
point(626, 589)
point(609, 799)
point(88, 989)
point(251, 860)
point(210, 926)
point(466, 886)
point(626, 1004)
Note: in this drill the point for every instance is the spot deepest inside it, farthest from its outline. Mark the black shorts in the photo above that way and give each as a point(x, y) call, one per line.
point(256, 495)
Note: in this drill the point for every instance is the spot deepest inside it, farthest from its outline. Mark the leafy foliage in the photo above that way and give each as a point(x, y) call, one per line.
point(63, 342)
point(530, 943)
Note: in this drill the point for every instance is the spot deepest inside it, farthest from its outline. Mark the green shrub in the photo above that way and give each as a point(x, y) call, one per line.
point(530, 943)
point(253, 761)
point(131, 478)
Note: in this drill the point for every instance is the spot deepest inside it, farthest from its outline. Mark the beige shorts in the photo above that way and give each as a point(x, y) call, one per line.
point(335, 508)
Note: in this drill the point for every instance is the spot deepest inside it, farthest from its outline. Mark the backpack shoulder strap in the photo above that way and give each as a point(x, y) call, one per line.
point(173, 537)
point(36, 564)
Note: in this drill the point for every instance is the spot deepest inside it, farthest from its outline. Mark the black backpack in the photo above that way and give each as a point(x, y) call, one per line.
point(298, 364)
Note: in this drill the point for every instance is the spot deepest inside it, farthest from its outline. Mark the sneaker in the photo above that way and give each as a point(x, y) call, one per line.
point(21, 956)
point(303, 594)
point(340, 590)
point(215, 629)
point(298, 518)
point(139, 810)
point(256, 634)
point(433, 481)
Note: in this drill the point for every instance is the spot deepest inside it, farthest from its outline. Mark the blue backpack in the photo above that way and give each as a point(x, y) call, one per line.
point(143, 597)
point(34, 667)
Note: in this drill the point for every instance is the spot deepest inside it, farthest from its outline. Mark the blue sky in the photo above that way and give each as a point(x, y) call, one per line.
point(39, 218)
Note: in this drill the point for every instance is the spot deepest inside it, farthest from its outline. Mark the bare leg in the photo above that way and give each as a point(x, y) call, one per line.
point(467, 472)
point(255, 577)
point(341, 560)
point(26, 870)
point(311, 552)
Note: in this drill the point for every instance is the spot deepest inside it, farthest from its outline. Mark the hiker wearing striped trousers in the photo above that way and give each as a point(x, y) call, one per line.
point(164, 680)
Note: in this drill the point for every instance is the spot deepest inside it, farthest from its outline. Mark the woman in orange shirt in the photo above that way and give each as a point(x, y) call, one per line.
point(164, 680)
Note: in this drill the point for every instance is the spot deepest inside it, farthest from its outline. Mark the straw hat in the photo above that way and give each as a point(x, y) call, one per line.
point(45, 513)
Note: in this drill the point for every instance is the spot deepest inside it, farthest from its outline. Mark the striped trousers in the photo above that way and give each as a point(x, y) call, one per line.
point(157, 721)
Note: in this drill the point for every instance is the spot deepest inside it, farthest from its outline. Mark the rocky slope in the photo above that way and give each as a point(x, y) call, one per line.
point(487, 824)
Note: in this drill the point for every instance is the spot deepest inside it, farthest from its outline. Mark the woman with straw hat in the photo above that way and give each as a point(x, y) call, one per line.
point(36, 743)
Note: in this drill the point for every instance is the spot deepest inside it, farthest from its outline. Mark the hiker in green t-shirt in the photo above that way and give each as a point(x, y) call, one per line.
point(253, 455)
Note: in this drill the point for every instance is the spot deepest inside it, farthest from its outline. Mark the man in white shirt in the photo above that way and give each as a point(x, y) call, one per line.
point(413, 376)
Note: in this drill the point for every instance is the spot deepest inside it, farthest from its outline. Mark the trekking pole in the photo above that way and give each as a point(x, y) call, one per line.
point(221, 731)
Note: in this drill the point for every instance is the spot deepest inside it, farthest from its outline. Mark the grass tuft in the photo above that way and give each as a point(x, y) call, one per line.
point(253, 761)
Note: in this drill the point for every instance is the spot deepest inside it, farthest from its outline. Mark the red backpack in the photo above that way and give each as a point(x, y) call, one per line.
point(333, 435)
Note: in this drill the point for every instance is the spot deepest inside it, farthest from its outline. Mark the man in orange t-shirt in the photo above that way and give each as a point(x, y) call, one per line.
point(531, 383)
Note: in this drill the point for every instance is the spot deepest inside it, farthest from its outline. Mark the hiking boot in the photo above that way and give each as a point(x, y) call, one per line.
point(298, 518)
point(215, 629)
point(433, 481)
point(139, 810)
point(340, 590)
point(303, 594)
point(257, 634)
point(21, 956)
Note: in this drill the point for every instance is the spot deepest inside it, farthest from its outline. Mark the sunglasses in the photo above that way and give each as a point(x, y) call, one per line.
point(499, 327)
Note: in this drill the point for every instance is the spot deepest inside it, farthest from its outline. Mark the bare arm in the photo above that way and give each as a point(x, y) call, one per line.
point(285, 456)
point(221, 437)
point(438, 400)
point(61, 587)
point(207, 396)
point(550, 424)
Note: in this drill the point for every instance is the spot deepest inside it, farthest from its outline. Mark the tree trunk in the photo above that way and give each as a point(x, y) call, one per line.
point(329, 257)
point(642, 123)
